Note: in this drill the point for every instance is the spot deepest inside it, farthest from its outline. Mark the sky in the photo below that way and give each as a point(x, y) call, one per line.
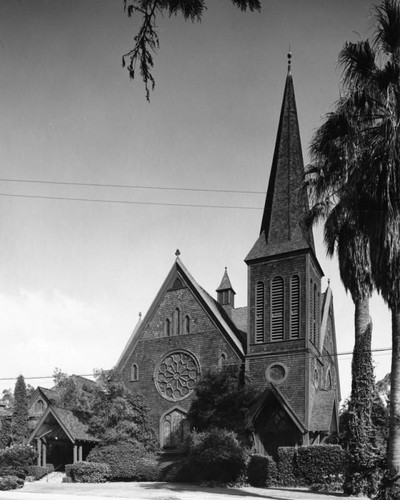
point(75, 274)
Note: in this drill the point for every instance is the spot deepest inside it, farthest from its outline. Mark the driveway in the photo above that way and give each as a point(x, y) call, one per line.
point(156, 491)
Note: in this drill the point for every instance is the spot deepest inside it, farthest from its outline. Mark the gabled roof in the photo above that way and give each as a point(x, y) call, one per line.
point(323, 416)
point(48, 395)
point(281, 230)
point(58, 420)
point(211, 306)
point(272, 391)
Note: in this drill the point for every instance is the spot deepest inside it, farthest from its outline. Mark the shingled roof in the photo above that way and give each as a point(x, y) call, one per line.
point(323, 412)
point(281, 230)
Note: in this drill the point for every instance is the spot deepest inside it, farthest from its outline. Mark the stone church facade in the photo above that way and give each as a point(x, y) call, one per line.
point(284, 339)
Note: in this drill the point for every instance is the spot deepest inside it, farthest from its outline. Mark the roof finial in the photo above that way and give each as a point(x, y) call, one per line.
point(177, 253)
point(289, 56)
point(140, 316)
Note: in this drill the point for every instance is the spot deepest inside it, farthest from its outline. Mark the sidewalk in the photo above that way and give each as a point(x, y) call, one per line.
point(156, 491)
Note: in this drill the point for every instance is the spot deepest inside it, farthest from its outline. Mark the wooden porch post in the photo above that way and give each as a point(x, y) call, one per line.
point(75, 453)
point(80, 454)
point(39, 451)
point(44, 454)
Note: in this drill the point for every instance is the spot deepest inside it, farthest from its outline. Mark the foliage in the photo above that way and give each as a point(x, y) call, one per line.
point(123, 459)
point(317, 461)
point(262, 471)
point(71, 394)
point(37, 471)
point(89, 472)
point(19, 423)
point(10, 483)
point(118, 415)
point(17, 459)
point(5, 432)
point(216, 455)
point(287, 466)
point(331, 483)
point(146, 41)
point(221, 400)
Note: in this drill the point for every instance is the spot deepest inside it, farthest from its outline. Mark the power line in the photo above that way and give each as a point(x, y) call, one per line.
point(128, 202)
point(131, 186)
point(345, 353)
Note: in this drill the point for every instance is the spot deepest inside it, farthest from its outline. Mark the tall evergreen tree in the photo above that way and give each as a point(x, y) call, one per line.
point(19, 423)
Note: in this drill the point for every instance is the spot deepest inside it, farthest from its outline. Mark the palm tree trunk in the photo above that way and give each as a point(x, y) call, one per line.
point(394, 417)
point(360, 404)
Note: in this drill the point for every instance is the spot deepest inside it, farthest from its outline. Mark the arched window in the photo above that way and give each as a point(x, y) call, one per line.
point(39, 406)
point(259, 337)
point(315, 310)
point(177, 322)
point(134, 373)
point(329, 381)
point(167, 327)
point(187, 325)
point(277, 309)
point(222, 360)
point(295, 307)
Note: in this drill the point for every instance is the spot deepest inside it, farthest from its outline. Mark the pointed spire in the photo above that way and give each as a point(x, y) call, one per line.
point(281, 230)
point(225, 291)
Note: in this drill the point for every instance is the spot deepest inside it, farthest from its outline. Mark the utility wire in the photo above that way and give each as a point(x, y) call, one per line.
point(132, 186)
point(346, 353)
point(127, 202)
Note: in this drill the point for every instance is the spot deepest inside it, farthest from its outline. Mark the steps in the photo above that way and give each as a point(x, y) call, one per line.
point(53, 477)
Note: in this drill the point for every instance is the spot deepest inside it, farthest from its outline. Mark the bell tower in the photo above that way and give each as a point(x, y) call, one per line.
point(284, 276)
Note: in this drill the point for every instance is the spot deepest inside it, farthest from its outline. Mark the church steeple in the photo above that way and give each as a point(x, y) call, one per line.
point(225, 292)
point(281, 230)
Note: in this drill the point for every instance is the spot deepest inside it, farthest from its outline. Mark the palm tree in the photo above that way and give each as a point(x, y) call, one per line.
point(342, 234)
point(366, 170)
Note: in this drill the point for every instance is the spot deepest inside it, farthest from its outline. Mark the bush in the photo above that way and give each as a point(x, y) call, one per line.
point(68, 468)
point(287, 467)
point(215, 455)
point(318, 461)
point(89, 472)
point(15, 460)
point(10, 483)
point(123, 459)
point(262, 471)
point(37, 471)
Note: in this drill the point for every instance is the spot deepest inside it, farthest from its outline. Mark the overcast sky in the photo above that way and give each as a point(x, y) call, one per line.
point(74, 275)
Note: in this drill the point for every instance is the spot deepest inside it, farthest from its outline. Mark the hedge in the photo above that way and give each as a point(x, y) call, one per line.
point(10, 483)
point(307, 465)
point(15, 460)
point(287, 467)
point(128, 461)
point(262, 471)
point(89, 472)
point(320, 461)
point(37, 471)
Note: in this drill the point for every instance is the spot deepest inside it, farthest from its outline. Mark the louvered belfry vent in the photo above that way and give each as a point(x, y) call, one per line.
point(277, 309)
point(295, 307)
point(260, 312)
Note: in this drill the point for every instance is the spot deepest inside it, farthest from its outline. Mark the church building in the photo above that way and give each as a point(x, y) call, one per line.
point(284, 339)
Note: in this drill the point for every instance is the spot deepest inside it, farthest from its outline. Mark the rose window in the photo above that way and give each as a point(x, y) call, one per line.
point(176, 375)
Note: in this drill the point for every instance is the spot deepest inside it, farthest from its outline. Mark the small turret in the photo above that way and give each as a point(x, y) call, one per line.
point(225, 292)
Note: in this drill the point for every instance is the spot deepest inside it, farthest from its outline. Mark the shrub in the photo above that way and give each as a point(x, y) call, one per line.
point(287, 466)
point(37, 471)
point(262, 471)
point(68, 468)
point(215, 455)
point(315, 462)
point(17, 458)
point(89, 472)
point(147, 469)
point(123, 459)
point(10, 483)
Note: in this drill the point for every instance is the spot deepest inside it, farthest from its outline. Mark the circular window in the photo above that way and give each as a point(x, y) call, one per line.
point(276, 373)
point(176, 375)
